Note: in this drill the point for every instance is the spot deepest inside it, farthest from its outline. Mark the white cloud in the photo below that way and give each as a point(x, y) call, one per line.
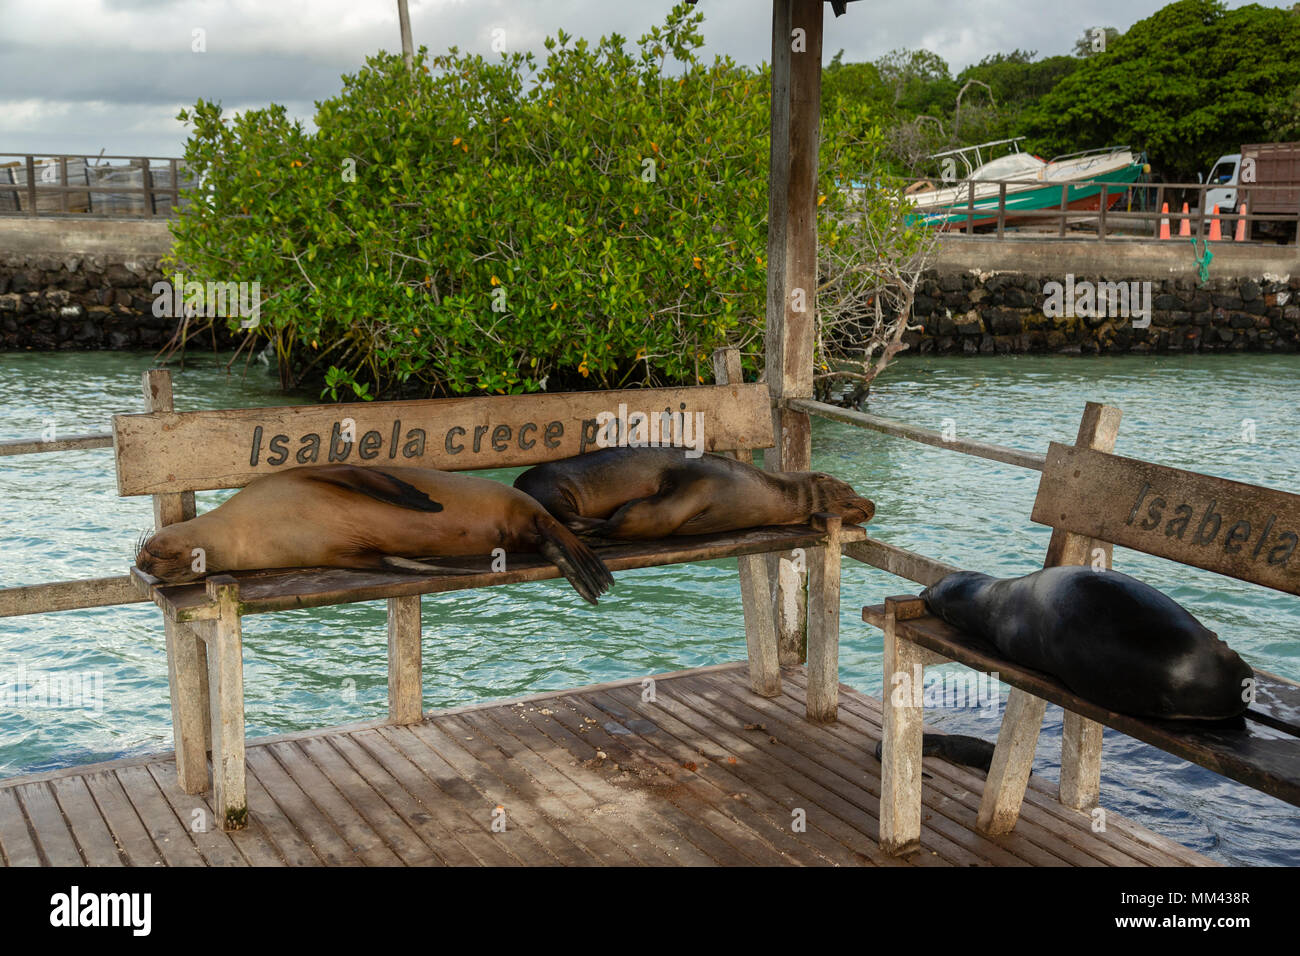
point(85, 74)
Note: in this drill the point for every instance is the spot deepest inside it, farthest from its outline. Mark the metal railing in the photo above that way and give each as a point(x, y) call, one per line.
point(1104, 221)
point(58, 185)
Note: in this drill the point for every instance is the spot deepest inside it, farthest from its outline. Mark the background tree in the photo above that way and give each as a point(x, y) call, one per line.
point(598, 219)
point(1191, 82)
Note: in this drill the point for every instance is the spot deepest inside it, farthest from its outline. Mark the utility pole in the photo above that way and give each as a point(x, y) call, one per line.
point(404, 22)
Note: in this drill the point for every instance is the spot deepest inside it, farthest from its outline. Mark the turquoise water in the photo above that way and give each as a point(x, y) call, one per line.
point(62, 520)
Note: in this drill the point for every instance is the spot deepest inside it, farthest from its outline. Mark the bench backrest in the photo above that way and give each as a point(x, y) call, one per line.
point(1243, 531)
point(168, 452)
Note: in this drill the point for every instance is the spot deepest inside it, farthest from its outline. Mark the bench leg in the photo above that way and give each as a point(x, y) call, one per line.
point(187, 678)
point(226, 671)
point(1080, 762)
point(1013, 758)
point(405, 682)
point(760, 626)
point(901, 741)
point(824, 623)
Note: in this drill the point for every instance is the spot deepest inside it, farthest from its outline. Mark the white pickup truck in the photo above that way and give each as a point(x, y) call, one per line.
point(1266, 176)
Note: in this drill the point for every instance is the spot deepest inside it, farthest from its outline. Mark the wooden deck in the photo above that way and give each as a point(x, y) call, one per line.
point(707, 774)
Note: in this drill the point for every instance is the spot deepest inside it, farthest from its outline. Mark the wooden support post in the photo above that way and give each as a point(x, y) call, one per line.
point(1081, 744)
point(755, 592)
point(187, 668)
point(1013, 758)
point(792, 266)
point(901, 740)
point(1081, 738)
point(824, 622)
point(405, 680)
point(226, 667)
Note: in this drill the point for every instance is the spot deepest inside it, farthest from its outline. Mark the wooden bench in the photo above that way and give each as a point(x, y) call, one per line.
point(170, 455)
point(1093, 499)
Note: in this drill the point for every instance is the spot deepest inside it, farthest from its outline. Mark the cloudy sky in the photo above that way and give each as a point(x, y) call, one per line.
point(78, 76)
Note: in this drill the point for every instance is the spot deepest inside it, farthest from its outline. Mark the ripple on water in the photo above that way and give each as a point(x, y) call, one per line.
point(63, 520)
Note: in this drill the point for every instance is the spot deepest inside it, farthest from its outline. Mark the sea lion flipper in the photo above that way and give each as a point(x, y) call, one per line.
point(376, 484)
point(406, 564)
point(586, 572)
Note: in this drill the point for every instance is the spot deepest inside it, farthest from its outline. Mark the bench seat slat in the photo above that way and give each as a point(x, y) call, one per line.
point(263, 591)
point(1261, 753)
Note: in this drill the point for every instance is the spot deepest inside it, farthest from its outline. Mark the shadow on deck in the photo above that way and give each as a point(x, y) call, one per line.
point(707, 774)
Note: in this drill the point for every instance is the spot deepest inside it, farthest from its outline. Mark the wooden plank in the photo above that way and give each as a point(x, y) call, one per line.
point(405, 678)
point(518, 841)
point(1054, 831)
point(658, 780)
point(757, 831)
point(16, 841)
point(362, 839)
point(551, 736)
point(56, 842)
point(187, 665)
point(226, 670)
point(1013, 759)
point(898, 561)
point(196, 451)
point(755, 586)
point(901, 741)
point(317, 831)
point(560, 800)
point(785, 764)
point(269, 823)
point(441, 809)
point(68, 596)
point(887, 426)
point(264, 591)
point(196, 816)
point(367, 802)
point(792, 271)
point(948, 836)
point(24, 446)
point(1243, 531)
point(123, 821)
point(405, 801)
point(824, 621)
point(1080, 785)
point(524, 807)
point(87, 825)
point(168, 835)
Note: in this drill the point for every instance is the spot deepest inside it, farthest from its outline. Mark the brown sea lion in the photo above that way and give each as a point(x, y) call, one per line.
point(628, 493)
point(346, 516)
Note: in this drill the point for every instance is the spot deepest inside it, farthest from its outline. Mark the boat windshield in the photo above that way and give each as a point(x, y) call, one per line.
point(1011, 166)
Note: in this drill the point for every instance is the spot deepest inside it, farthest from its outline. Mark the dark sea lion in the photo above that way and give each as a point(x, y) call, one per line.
point(1106, 636)
point(346, 516)
point(955, 748)
point(633, 493)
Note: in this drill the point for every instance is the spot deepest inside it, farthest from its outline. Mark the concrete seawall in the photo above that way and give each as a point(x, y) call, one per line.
point(88, 284)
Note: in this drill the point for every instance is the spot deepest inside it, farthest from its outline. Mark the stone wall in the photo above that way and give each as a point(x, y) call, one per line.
point(69, 301)
point(976, 313)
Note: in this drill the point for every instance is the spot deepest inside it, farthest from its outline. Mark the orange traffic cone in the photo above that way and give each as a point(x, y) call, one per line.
point(1164, 223)
point(1216, 231)
point(1184, 225)
point(1241, 225)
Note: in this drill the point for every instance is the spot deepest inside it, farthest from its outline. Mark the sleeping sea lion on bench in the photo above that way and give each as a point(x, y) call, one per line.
point(346, 516)
point(637, 493)
point(1106, 636)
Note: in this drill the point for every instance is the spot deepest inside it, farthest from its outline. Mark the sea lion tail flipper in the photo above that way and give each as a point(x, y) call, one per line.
point(376, 484)
point(586, 572)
